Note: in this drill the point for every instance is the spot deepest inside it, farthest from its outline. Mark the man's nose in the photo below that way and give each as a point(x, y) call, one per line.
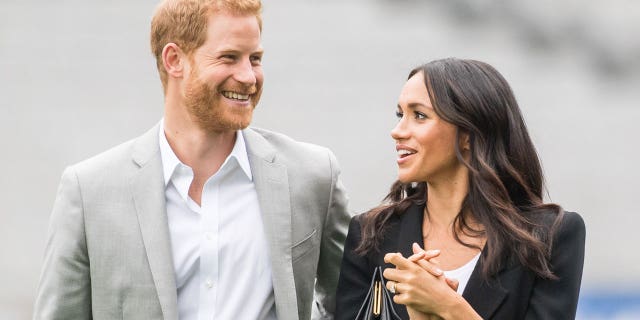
point(245, 73)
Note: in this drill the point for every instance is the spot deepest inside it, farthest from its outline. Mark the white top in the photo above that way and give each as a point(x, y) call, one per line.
point(220, 252)
point(463, 273)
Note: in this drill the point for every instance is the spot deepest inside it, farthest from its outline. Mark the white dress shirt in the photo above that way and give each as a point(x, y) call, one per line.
point(219, 248)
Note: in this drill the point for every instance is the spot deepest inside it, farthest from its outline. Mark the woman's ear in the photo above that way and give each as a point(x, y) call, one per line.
point(464, 142)
point(172, 60)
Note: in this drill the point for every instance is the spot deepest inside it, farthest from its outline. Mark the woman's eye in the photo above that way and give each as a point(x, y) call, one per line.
point(399, 114)
point(420, 115)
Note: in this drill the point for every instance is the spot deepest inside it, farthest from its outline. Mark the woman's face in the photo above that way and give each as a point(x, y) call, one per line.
point(425, 143)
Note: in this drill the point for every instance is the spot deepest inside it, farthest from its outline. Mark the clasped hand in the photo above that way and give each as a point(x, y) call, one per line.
point(419, 284)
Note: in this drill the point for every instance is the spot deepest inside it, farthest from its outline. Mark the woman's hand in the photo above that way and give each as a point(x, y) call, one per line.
point(417, 315)
point(431, 257)
point(419, 253)
point(419, 284)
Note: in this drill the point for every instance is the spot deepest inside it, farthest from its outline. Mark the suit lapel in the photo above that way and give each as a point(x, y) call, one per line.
point(272, 186)
point(147, 186)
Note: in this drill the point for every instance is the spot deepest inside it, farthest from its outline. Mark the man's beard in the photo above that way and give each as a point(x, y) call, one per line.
point(209, 112)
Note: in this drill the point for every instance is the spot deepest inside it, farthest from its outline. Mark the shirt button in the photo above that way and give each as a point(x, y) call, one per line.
point(209, 283)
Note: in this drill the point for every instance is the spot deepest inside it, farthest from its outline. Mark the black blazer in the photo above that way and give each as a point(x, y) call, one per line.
point(513, 293)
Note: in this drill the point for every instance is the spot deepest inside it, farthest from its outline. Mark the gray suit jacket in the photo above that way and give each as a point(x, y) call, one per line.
point(108, 253)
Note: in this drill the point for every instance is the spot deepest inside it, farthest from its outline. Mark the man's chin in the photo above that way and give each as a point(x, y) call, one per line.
point(243, 120)
point(226, 126)
point(244, 125)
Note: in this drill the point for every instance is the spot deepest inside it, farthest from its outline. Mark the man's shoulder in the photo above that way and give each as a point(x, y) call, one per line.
point(113, 157)
point(120, 156)
point(285, 145)
point(301, 158)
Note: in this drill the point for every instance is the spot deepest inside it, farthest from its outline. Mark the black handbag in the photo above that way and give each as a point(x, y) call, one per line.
point(378, 304)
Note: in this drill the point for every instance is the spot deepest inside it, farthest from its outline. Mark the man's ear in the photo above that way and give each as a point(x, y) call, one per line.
point(173, 60)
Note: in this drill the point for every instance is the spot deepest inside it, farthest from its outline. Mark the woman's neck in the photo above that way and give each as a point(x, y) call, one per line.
point(444, 199)
point(444, 204)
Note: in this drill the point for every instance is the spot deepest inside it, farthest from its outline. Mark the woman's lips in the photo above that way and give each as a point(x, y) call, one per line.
point(404, 153)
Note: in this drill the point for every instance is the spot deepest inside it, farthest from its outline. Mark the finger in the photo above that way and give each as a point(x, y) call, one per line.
point(430, 254)
point(399, 298)
point(394, 287)
point(389, 256)
point(402, 287)
point(416, 248)
point(391, 286)
point(399, 261)
point(417, 256)
point(393, 274)
point(430, 267)
point(453, 283)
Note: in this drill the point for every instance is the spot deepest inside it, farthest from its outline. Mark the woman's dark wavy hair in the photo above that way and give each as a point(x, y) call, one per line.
point(505, 176)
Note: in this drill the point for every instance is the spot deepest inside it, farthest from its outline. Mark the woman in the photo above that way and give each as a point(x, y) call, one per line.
point(469, 191)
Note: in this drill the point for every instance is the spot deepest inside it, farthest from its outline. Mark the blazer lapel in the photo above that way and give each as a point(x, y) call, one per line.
point(485, 296)
point(411, 230)
point(147, 185)
point(272, 186)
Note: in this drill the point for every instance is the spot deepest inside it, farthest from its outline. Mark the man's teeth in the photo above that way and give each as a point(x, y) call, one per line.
point(235, 95)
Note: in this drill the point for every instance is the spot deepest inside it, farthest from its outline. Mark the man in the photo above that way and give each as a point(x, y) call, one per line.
point(201, 217)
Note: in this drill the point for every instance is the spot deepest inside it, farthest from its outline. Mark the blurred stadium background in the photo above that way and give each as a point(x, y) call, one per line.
point(77, 77)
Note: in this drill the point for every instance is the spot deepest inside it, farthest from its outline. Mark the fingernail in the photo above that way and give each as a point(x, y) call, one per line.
point(438, 271)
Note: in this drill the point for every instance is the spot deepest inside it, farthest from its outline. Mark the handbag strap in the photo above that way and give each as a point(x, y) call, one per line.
point(366, 305)
point(387, 300)
point(378, 303)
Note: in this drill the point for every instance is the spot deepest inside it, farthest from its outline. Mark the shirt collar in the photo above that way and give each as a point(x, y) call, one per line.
point(170, 161)
point(240, 153)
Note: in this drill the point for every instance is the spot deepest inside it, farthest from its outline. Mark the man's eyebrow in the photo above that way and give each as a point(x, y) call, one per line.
point(234, 50)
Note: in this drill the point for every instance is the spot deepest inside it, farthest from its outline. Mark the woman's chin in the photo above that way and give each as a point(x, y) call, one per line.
point(406, 179)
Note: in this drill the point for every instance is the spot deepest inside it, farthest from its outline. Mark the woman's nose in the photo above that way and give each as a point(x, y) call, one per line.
point(399, 132)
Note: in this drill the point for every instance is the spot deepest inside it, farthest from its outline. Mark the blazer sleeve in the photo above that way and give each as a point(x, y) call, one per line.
point(331, 246)
point(64, 291)
point(355, 276)
point(558, 299)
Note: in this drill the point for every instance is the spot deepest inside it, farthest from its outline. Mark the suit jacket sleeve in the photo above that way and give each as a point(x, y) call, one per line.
point(64, 291)
point(558, 299)
point(355, 276)
point(332, 244)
